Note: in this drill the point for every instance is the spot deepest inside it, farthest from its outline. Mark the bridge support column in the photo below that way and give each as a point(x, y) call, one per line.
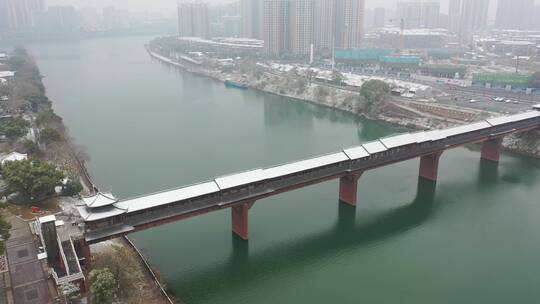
point(429, 166)
point(348, 188)
point(240, 219)
point(491, 149)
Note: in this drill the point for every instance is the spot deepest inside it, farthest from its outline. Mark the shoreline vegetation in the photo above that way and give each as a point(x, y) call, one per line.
point(30, 127)
point(304, 86)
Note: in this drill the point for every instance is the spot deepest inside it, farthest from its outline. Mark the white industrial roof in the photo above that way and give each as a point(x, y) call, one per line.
point(46, 219)
point(167, 197)
point(99, 200)
point(356, 152)
point(399, 140)
point(305, 165)
point(512, 118)
point(239, 179)
point(374, 147)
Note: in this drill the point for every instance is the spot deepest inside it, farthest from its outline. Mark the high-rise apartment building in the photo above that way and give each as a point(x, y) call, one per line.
point(419, 14)
point(454, 15)
point(3, 15)
point(252, 18)
point(324, 24)
point(514, 14)
point(276, 27)
point(59, 19)
point(379, 15)
point(193, 19)
point(349, 23)
point(300, 26)
point(21, 14)
point(474, 14)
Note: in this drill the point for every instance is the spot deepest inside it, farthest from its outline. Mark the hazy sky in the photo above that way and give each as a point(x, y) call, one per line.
point(169, 6)
point(165, 5)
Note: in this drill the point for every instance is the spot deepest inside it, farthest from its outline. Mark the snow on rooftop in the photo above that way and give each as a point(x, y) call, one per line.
point(99, 200)
point(374, 147)
point(6, 74)
point(239, 179)
point(231, 42)
point(356, 152)
point(47, 219)
point(13, 156)
point(350, 78)
point(167, 197)
point(90, 215)
point(399, 140)
point(303, 165)
point(512, 118)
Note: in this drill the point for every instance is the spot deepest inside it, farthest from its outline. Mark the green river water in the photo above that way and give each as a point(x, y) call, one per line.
point(474, 238)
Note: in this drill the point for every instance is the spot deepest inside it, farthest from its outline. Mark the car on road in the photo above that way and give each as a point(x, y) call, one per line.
point(473, 101)
point(498, 99)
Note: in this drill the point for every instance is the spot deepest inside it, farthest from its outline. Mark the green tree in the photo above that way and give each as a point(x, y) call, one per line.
point(321, 93)
point(535, 80)
point(4, 234)
point(32, 179)
point(46, 117)
point(375, 93)
point(337, 77)
point(70, 292)
point(49, 135)
point(117, 259)
point(14, 128)
point(28, 146)
point(72, 187)
point(103, 286)
point(310, 75)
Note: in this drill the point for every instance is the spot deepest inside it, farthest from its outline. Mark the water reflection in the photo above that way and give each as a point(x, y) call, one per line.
point(284, 112)
point(488, 173)
point(243, 268)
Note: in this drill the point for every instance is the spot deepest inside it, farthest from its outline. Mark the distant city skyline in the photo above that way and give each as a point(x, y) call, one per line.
point(168, 7)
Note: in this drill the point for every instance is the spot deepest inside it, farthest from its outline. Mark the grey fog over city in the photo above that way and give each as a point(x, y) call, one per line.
point(269, 151)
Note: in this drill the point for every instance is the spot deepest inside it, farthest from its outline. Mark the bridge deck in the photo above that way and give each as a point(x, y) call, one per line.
point(126, 215)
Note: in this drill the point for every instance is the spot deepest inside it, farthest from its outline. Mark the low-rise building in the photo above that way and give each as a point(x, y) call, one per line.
point(60, 240)
point(13, 156)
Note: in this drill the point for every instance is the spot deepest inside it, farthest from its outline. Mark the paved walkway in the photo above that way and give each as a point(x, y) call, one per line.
point(28, 281)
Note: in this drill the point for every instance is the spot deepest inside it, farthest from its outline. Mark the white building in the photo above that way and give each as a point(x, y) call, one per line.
point(13, 156)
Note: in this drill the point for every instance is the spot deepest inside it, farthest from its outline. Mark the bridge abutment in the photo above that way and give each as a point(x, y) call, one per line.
point(240, 219)
point(348, 188)
point(491, 149)
point(429, 166)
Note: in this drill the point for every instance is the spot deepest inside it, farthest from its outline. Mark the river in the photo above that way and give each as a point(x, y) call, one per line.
point(474, 238)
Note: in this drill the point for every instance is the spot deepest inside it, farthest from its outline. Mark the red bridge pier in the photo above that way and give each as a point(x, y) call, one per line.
point(491, 149)
point(429, 166)
point(240, 219)
point(348, 188)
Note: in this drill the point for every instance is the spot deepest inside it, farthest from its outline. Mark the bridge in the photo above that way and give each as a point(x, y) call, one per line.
point(105, 217)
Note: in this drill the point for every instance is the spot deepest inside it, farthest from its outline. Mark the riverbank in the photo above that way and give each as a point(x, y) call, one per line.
point(402, 113)
point(42, 135)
